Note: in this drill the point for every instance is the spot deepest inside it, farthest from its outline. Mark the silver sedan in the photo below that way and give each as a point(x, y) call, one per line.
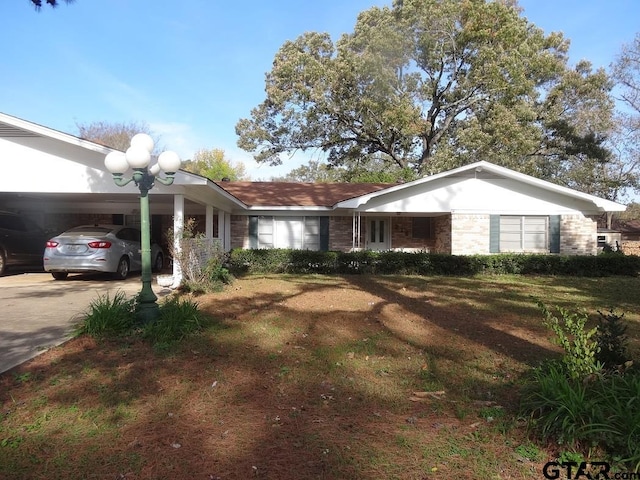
point(98, 248)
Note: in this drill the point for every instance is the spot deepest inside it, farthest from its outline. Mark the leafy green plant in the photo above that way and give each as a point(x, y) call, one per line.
point(612, 339)
point(529, 451)
point(571, 456)
point(178, 318)
point(578, 343)
point(556, 405)
point(109, 316)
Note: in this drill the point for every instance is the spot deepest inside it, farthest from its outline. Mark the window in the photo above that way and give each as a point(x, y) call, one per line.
point(288, 232)
point(524, 233)
point(422, 228)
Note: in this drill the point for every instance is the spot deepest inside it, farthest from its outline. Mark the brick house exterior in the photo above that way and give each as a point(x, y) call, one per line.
point(479, 208)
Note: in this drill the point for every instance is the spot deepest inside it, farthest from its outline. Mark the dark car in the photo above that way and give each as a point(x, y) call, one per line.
point(22, 242)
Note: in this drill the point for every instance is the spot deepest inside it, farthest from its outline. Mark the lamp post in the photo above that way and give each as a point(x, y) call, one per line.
point(138, 157)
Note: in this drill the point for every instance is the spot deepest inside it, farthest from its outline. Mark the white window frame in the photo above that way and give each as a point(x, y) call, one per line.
point(524, 226)
point(270, 230)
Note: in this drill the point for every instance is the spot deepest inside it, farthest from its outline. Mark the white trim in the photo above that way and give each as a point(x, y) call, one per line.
point(601, 203)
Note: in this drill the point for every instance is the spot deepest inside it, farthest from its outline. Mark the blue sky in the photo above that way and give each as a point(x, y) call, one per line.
point(190, 69)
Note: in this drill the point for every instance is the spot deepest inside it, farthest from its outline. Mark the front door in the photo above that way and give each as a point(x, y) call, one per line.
point(378, 234)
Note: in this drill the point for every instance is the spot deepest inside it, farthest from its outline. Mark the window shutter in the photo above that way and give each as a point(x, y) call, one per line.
point(494, 234)
point(324, 234)
point(253, 232)
point(554, 233)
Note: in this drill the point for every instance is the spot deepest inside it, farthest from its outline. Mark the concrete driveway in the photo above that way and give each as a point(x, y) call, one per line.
point(38, 312)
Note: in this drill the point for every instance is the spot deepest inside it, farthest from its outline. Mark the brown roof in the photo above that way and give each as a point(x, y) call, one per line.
point(286, 194)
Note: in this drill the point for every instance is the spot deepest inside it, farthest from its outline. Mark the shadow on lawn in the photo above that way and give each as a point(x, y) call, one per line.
point(276, 388)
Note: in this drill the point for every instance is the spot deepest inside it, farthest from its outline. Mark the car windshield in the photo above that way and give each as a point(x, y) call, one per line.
point(89, 230)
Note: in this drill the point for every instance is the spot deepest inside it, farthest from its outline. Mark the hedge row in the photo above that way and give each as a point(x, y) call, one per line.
point(422, 263)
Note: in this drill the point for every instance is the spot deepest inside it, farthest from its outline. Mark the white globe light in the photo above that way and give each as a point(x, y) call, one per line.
point(116, 162)
point(142, 140)
point(169, 161)
point(138, 157)
point(154, 169)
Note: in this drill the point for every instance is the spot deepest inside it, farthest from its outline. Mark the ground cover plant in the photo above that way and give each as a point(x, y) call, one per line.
point(306, 377)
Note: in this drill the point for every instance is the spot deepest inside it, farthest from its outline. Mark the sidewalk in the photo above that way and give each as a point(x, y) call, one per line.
point(37, 312)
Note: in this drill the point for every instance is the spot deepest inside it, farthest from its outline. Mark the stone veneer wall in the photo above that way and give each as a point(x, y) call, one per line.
point(470, 234)
point(578, 235)
point(630, 247)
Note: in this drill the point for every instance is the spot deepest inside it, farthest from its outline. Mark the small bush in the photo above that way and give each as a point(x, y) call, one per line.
point(603, 412)
point(612, 340)
point(580, 347)
point(178, 319)
point(108, 316)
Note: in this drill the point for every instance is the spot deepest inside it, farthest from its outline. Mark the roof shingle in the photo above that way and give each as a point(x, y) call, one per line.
point(285, 194)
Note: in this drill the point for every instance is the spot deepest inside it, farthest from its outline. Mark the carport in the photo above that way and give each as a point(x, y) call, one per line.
point(60, 181)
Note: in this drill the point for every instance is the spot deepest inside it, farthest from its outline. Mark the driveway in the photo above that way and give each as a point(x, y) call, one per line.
point(37, 312)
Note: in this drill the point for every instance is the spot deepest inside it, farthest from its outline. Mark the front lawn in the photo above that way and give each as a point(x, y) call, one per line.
point(307, 377)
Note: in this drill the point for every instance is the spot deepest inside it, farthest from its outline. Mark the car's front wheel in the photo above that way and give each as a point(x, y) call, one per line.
point(3, 262)
point(59, 275)
point(123, 269)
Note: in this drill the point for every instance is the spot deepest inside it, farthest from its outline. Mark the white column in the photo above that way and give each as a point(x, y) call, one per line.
point(227, 232)
point(222, 229)
point(178, 226)
point(208, 232)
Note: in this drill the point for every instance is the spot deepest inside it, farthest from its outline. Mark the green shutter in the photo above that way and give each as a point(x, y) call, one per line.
point(494, 233)
point(324, 234)
point(554, 233)
point(253, 232)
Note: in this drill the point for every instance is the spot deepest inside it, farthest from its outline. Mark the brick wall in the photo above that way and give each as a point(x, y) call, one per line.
point(239, 231)
point(469, 234)
point(402, 236)
point(442, 227)
point(341, 233)
point(578, 235)
point(630, 247)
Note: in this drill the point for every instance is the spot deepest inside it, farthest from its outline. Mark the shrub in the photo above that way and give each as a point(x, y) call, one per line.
point(603, 412)
point(201, 260)
point(612, 340)
point(178, 318)
point(108, 316)
point(114, 317)
point(423, 263)
point(580, 348)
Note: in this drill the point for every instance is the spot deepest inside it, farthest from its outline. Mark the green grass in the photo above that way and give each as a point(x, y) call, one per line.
point(305, 377)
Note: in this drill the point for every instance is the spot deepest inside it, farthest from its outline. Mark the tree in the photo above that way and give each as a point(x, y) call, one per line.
point(624, 172)
point(313, 172)
point(54, 3)
point(429, 85)
point(113, 135)
point(370, 170)
point(213, 165)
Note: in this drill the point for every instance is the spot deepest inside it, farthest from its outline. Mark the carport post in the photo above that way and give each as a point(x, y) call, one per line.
point(138, 156)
